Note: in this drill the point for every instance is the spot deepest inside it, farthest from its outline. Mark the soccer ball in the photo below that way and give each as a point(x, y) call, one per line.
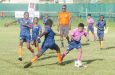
point(78, 64)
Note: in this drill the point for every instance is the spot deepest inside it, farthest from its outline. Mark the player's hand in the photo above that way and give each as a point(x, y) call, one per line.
point(38, 38)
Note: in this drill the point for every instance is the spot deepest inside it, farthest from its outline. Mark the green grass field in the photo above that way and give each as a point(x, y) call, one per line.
point(99, 62)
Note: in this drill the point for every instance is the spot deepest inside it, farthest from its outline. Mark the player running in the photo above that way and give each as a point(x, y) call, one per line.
point(36, 30)
point(45, 19)
point(75, 43)
point(90, 22)
point(100, 30)
point(25, 25)
point(49, 43)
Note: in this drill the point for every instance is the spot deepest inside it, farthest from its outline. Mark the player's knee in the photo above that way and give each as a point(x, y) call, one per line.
point(80, 50)
point(21, 44)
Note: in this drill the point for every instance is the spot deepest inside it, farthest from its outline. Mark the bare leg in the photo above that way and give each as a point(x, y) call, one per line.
point(29, 48)
point(94, 36)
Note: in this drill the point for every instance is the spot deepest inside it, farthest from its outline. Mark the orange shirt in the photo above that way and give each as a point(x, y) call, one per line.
point(64, 18)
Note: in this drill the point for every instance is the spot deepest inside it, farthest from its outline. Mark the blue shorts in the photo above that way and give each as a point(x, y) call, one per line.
point(74, 44)
point(34, 38)
point(90, 28)
point(47, 45)
point(100, 34)
point(25, 38)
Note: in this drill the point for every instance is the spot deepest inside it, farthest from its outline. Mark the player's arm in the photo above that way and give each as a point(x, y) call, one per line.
point(86, 35)
point(105, 25)
point(10, 23)
point(57, 34)
point(70, 21)
point(97, 26)
point(26, 25)
point(44, 33)
point(73, 34)
point(40, 30)
point(58, 23)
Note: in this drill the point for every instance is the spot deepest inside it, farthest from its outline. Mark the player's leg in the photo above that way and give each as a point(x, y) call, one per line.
point(28, 40)
point(64, 54)
point(101, 40)
point(92, 31)
point(66, 32)
point(35, 58)
point(70, 47)
point(20, 50)
point(56, 47)
point(30, 48)
point(61, 37)
point(37, 45)
point(78, 62)
point(88, 29)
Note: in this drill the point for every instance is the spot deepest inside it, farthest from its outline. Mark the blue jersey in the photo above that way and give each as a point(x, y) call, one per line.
point(101, 25)
point(44, 20)
point(24, 26)
point(35, 31)
point(49, 37)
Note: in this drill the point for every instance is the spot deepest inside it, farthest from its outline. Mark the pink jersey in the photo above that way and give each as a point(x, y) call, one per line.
point(90, 21)
point(76, 34)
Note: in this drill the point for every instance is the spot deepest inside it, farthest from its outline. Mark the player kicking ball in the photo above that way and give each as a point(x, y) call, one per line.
point(101, 24)
point(49, 43)
point(36, 31)
point(25, 26)
point(75, 43)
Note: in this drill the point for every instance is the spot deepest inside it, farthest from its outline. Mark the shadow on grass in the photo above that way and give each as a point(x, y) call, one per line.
point(44, 65)
point(47, 57)
point(12, 63)
point(92, 60)
point(85, 44)
point(69, 61)
point(108, 48)
point(64, 63)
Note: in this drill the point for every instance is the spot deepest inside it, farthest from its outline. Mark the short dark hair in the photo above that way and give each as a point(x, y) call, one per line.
point(89, 15)
point(36, 18)
point(102, 16)
point(64, 6)
point(26, 13)
point(81, 25)
point(49, 22)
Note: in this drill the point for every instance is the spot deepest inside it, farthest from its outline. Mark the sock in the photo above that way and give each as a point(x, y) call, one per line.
point(20, 52)
point(101, 45)
point(34, 59)
point(63, 55)
point(38, 49)
point(59, 58)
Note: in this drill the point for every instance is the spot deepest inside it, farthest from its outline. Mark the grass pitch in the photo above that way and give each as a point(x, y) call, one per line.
point(99, 62)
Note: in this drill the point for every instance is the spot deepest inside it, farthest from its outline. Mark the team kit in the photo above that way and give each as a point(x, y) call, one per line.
point(64, 25)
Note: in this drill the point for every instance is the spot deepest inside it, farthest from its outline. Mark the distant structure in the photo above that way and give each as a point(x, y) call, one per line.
point(93, 1)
